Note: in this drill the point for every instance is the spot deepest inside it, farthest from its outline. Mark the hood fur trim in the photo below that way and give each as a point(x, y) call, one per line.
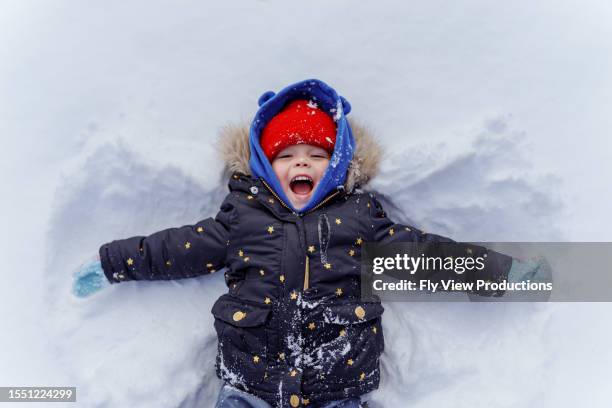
point(233, 145)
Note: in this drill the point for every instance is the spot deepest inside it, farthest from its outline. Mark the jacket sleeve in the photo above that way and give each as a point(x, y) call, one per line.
point(173, 253)
point(385, 231)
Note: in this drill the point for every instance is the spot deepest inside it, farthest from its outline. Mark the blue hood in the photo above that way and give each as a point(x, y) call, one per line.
point(329, 101)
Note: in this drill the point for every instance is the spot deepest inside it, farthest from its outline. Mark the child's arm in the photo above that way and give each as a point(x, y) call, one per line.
point(174, 253)
point(385, 231)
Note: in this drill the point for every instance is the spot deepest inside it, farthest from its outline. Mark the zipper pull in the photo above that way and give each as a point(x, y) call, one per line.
point(307, 273)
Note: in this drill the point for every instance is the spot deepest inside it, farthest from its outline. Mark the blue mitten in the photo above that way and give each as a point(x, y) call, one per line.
point(535, 270)
point(89, 279)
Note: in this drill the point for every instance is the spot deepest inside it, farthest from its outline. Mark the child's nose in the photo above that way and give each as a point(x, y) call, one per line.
point(302, 162)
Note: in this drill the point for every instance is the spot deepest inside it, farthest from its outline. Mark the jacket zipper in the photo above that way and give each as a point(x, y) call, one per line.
point(307, 267)
point(306, 274)
point(277, 197)
point(322, 202)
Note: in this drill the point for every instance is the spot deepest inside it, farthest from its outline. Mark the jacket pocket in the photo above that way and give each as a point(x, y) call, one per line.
point(357, 319)
point(243, 342)
point(347, 348)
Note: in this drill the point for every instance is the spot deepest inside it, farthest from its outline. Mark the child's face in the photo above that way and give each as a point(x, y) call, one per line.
point(300, 160)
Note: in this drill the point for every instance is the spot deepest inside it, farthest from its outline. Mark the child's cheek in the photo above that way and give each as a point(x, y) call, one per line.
point(281, 174)
point(278, 170)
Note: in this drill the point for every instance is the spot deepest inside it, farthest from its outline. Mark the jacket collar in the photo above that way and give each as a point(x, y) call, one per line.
point(260, 191)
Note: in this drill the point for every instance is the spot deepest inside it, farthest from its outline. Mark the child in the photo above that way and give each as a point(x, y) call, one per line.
point(292, 330)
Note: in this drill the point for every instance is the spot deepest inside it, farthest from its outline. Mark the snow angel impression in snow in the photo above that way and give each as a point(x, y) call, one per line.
point(292, 328)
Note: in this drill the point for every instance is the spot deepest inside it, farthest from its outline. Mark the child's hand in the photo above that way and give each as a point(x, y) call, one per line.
point(536, 270)
point(89, 278)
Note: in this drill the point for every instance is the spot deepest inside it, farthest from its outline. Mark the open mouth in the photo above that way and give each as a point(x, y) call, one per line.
point(301, 185)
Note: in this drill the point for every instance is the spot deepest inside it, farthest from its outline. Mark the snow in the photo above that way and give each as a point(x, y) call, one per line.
point(338, 111)
point(496, 123)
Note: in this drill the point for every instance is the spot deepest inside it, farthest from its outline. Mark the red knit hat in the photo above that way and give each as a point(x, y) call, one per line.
point(300, 122)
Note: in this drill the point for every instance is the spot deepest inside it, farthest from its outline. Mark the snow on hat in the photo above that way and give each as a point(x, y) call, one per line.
point(300, 122)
